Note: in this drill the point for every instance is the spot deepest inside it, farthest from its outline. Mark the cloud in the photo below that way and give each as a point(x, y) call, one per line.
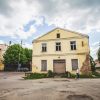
point(77, 15)
point(5, 8)
point(94, 49)
point(13, 26)
point(27, 45)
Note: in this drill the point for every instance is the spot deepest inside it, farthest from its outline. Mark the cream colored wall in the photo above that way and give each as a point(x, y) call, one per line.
point(65, 53)
point(37, 62)
point(65, 46)
point(3, 48)
point(1, 66)
point(63, 34)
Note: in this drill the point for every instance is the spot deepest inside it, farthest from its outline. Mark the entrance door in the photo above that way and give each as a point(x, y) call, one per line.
point(59, 66)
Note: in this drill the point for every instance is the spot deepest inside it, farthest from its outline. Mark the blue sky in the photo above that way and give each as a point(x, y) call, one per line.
point(27, 19)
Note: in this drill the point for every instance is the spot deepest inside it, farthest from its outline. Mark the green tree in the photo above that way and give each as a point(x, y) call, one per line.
point(28, 53)
point(14, 54)
point(98, 55)
point(92, 63)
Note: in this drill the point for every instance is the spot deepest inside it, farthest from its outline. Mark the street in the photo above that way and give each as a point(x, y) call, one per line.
point(14, 87)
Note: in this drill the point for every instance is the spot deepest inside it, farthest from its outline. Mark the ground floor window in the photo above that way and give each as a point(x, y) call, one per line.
point(74, 64)
point(43, 65)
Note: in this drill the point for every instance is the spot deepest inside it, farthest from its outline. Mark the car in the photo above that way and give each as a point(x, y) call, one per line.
point(23, 69)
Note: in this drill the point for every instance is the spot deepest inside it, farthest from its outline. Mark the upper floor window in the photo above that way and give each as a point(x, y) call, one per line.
point(44, 47)
point(73, 45)
point(58, 46)
point(82, 44)
point(58, 35)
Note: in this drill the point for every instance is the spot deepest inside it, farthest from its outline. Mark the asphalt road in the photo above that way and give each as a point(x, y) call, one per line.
point(14, 87)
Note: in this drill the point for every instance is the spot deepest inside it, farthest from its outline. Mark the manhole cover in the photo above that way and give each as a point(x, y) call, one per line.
point(79, 97)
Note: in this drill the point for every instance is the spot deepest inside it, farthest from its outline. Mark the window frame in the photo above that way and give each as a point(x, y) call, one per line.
point(43, 68)
point(44, 47)
point(73, 45)
point(58, 35)
point(73, 66)
point(82, 43)
point(58, 46)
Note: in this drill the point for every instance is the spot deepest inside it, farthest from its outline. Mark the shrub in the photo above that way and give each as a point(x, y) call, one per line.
point(36, 76)
point(50, 74)
point(66, 75)
point(97, 75)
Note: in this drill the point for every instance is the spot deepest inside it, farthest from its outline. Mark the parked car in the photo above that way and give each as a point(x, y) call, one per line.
point(24, 69)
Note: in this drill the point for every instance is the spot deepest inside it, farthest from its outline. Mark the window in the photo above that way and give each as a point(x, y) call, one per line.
point(44, 47)
point(43, 65)
point(58, 46)
point(82, 44)
point(73, 45)
point(74, 64)
point(58, 35)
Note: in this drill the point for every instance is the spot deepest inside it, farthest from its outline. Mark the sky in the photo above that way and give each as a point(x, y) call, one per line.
point(28, 19)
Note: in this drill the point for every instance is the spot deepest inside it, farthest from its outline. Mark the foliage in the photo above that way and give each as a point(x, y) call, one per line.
point(91, 75)
point(36, 76)
point(97, 68)
point(50, 74)
point(15, 53)
point(92, 63)
point(97, 75)
point(98, 55)
point(66, 75)
point(28, 53)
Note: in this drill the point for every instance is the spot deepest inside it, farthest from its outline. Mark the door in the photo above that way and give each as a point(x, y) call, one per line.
point(59, 66)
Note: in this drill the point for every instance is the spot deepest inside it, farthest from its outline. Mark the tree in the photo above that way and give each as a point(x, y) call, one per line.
point(28, 53)
point(16, 54)
point(92, 63)
point(98, 55)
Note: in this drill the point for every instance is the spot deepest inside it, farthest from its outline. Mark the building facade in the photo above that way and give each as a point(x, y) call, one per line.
point(59, 50)
point(3, 48)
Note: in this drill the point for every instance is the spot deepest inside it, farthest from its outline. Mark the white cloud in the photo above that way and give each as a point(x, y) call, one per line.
point(78, 15)
point(22, 13)
point(94, 49)
point(27, 45)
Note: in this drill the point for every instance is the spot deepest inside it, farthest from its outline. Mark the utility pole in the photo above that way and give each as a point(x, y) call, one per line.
point(9, 43)
point(19, 65)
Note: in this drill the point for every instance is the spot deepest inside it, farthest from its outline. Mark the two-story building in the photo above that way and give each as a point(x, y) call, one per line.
point(3, 48)
point(59, 50)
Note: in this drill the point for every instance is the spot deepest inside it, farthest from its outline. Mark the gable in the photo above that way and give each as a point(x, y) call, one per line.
point(64, 34)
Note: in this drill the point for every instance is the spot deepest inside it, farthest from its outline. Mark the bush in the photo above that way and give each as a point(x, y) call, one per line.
point(50, 74)
point(98, 68)
point(86, 76)
point(91, 75)
point(97, 75)
point(36, 76)
point(66, 75)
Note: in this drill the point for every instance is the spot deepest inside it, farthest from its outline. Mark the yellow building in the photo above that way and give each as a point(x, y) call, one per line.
point(59, 50)
point(3, 48)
